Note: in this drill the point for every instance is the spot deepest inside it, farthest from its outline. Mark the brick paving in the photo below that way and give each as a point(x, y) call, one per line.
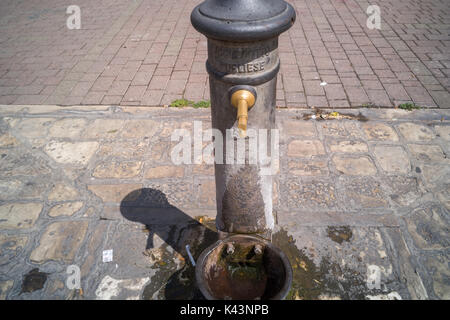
point(364, 194)
point(146, 53)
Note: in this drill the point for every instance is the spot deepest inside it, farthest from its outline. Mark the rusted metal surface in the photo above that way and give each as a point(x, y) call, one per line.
point(244, 195)
point(243, 203)
point(254, 270)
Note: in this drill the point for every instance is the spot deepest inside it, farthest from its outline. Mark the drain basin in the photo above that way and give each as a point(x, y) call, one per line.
point(243, 267)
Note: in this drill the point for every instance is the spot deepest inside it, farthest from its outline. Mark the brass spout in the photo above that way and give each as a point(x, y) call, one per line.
point(242, 100)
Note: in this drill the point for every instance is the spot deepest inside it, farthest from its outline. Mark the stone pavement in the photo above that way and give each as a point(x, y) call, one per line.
point(145, 52)
point(361, 202)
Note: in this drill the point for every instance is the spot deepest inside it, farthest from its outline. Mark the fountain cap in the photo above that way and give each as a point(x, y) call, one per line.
point(242, 20)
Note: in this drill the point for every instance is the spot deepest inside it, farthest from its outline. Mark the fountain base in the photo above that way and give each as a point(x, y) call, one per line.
point(243, 267)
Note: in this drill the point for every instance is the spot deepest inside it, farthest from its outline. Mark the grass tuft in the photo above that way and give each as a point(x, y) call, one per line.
point(408, 106)
point(179, 103)
point(202, 104)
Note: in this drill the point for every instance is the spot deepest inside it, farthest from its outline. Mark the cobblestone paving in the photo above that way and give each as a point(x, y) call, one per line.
point(360, 198)
point(145, 52)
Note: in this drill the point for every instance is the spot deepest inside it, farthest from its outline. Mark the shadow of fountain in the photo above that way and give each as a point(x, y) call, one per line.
point(177, 229)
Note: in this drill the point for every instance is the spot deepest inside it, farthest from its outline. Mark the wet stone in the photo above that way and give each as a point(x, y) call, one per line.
point(427, 153)
point(362, 192)
point(19, 215)
point(392, 159)
point(169, 255)
point(360, 166)
point(75, 153)
point(332, 262)
point(415, 132)
point(308, 194)
point(308, 168)
point(11, 247)
point(119, 170)
point(60, 241)
point(379, 132)
point(65, 209)
point(429, 228)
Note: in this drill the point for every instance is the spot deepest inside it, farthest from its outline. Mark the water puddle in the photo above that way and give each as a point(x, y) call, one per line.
point(340, 234)
point(327, 280)
point(33, 280)
point(175, 275)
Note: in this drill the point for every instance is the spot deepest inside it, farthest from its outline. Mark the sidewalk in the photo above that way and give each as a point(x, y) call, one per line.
point(145, 52)
point(361, 203)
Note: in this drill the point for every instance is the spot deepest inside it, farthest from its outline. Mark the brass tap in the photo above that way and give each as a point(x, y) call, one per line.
point(242, 100)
